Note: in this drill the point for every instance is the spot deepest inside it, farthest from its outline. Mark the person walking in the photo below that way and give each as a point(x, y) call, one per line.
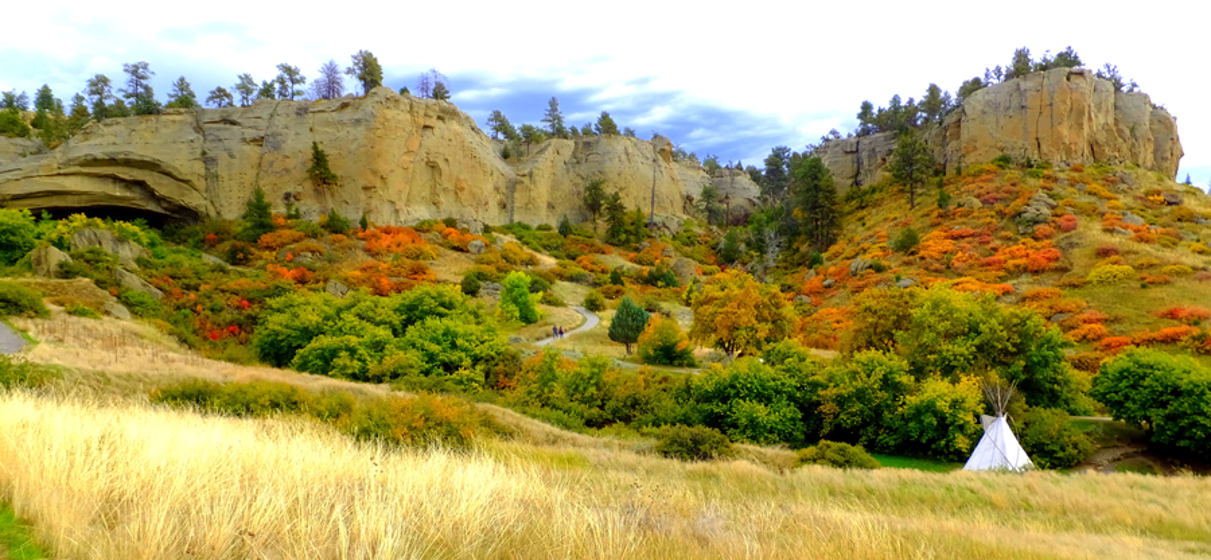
point(561, 332)
point(554, 331)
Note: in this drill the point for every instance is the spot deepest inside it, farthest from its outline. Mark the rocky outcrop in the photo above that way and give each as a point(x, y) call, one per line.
point(400, 160)
point(45, 261)
point(126, 251)
point(131, 281)
point(16, 149)
point(1065, 116)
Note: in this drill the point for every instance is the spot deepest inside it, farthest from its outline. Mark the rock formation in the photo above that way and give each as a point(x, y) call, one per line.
point(1065, 116)
point(400, 160)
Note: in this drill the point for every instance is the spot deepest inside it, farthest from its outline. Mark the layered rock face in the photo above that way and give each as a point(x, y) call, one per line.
point(400, 159)
point(1065, 116)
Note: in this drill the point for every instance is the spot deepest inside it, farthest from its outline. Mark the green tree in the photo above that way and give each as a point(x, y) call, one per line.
point(605, 125)
point(288, 80)
point(587, 130)
point(639, 226)
point(911, 163)
point(247, 88)
point(565, 226)
point(445, 346)
point(516, 302)
point(1051, 439)
point(628, 323)
point(859, 399)
point(940, 419)
point(1110, 73)
point(16, 101)
point(776, 180)
point(729, 252)
point(1021, 64)
point(441, 92)
point(1170, 396)
point(220, 97)
point(663, 343)
point(363, 223)
point(711, 164)
point(336, 223)
point(932, 104)
point(268, 90)
point(44, 100)
point(258, 218)
point(530, 135)
point(815, 202)
point(751, 401)
point(79, 114)
point(17, 234)
point(100, 94)
point(616, 217)
point(594, 199)
point(866, 119)
point(710, 205)
point(969, 87)
point(553, 118)
point(907, 241)
point(12, 125)
point(366, 70)
point(182, 96)
point(500, 126)
point(138, 88)
point(943, 197)
point(319, 171)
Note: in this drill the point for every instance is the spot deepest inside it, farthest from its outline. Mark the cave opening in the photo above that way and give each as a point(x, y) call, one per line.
point(154, 219)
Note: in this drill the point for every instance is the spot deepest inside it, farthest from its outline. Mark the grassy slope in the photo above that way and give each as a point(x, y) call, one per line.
point(16, 538)
point(90, 476)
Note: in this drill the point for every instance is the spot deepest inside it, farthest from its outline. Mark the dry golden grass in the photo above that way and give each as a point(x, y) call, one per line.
point(121, 356)
point(130, 481)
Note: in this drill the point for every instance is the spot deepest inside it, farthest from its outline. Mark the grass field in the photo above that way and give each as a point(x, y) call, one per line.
point(926, 465)
point(102, 479)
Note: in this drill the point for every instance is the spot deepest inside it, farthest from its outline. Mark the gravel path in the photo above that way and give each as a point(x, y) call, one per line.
point(10, 342)
point(591, 320)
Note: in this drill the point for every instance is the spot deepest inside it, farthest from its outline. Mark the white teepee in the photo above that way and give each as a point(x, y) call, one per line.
point(999, 448)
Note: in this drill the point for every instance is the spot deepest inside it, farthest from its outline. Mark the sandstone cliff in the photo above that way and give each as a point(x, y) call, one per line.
point(400, 160)
point(1065, 115)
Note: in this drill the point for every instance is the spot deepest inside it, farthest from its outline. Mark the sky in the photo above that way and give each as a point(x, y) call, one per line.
point(732, 80)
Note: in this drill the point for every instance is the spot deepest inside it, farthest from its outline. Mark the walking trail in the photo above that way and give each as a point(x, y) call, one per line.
point(590, 321)
point(10, 342)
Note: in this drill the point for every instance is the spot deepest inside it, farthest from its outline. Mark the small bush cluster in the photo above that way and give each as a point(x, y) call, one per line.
point(16, 299)
point(693, 443)
point(837, 455)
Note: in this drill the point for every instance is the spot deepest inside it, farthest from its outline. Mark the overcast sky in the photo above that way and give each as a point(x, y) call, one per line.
point(729, 79)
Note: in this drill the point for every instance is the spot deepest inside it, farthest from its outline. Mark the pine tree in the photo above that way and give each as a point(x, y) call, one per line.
point(616, 217)
point(594, 199)
point(288, 80)
point(565, 226)
point(709, 205)
point(363, 223)
point(776, 180)
point(258, 217)
point(730, 251)
point(606, 125)
point(319, 172)
point(500, 126)
point(816, 202)
point(220, 97)
point(246, 87)
point(79, 115)
point(99, 93)
point(639, 226)
point(554, 119)
point(366, 70)
point(932, 104)
point(628, 323)
point(267, 91)
point(911, 162)
point(138, 89)
point(336, 223)
point(182, 96)
point(441, 92)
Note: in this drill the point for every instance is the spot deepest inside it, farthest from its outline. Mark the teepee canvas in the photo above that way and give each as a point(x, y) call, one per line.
point(999, 448)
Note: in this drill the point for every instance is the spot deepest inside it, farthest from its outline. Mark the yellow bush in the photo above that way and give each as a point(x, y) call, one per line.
point(1146, 262)
point(515, 255)
point(1199, 249)
point(1177, 270)
point(419, 252)
point(1183, 214)
point(1100, 192)
point(1115, 205)
point(1110, 274)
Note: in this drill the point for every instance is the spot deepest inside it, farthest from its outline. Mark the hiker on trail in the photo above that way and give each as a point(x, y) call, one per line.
point(560, 332)
point(554, 331)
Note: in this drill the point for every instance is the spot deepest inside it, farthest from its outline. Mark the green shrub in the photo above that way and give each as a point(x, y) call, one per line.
point(663, 343)
point(1051, 440)
point(516, 302)
point(907, 241)
point(594, 301)
point(140, 303)
point(549, 298)
point(310, 229)
point(423, 420)
point(751, 401)
point(80, 310)
point(1170, 395)
point(837, 455)
point(17, 235)
point(337, 223)
point(693, 443)
point(1003, 161)
point(23, 374)
point(470, 284)
point(544, 227)
point(16, 299)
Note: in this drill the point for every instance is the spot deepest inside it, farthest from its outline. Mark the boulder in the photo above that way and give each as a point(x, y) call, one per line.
point(905, 283)
point(829, 282)
point(1121, 231)
point(685, 269)
point(1172, 199)
point(644, 246)
point(858, 266)
point(491, 289)
point(206, 257)
point(971, 203)
point(476, 247)
point(668, 252)
point(473, 226)
point(116, 310)
point(46, 259)
point(801, 299)
point(131, 281)
point(336, 288)
point(126, 251)
point(1059, 317)
point(1132, 219)
point(1036, 211)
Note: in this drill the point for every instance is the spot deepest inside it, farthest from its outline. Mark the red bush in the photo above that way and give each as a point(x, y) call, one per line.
point(1185, 314)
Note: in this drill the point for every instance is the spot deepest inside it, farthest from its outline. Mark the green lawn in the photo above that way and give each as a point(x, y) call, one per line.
point(16, 539)
point(927, 465)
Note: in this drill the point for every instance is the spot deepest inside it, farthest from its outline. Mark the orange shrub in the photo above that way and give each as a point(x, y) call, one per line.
point(1067, 222)
point(1168, 335)
point(298, 275)
point(389, 239)
point(275, 240)
point(1091, 332)
point(1113, 344)
point(967, 284)
point(1040, 294)
point(935, 245)
point(1153, 280)
point(590, 264)
point(823, 328)
point(1185, 314)
point(458, 239)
